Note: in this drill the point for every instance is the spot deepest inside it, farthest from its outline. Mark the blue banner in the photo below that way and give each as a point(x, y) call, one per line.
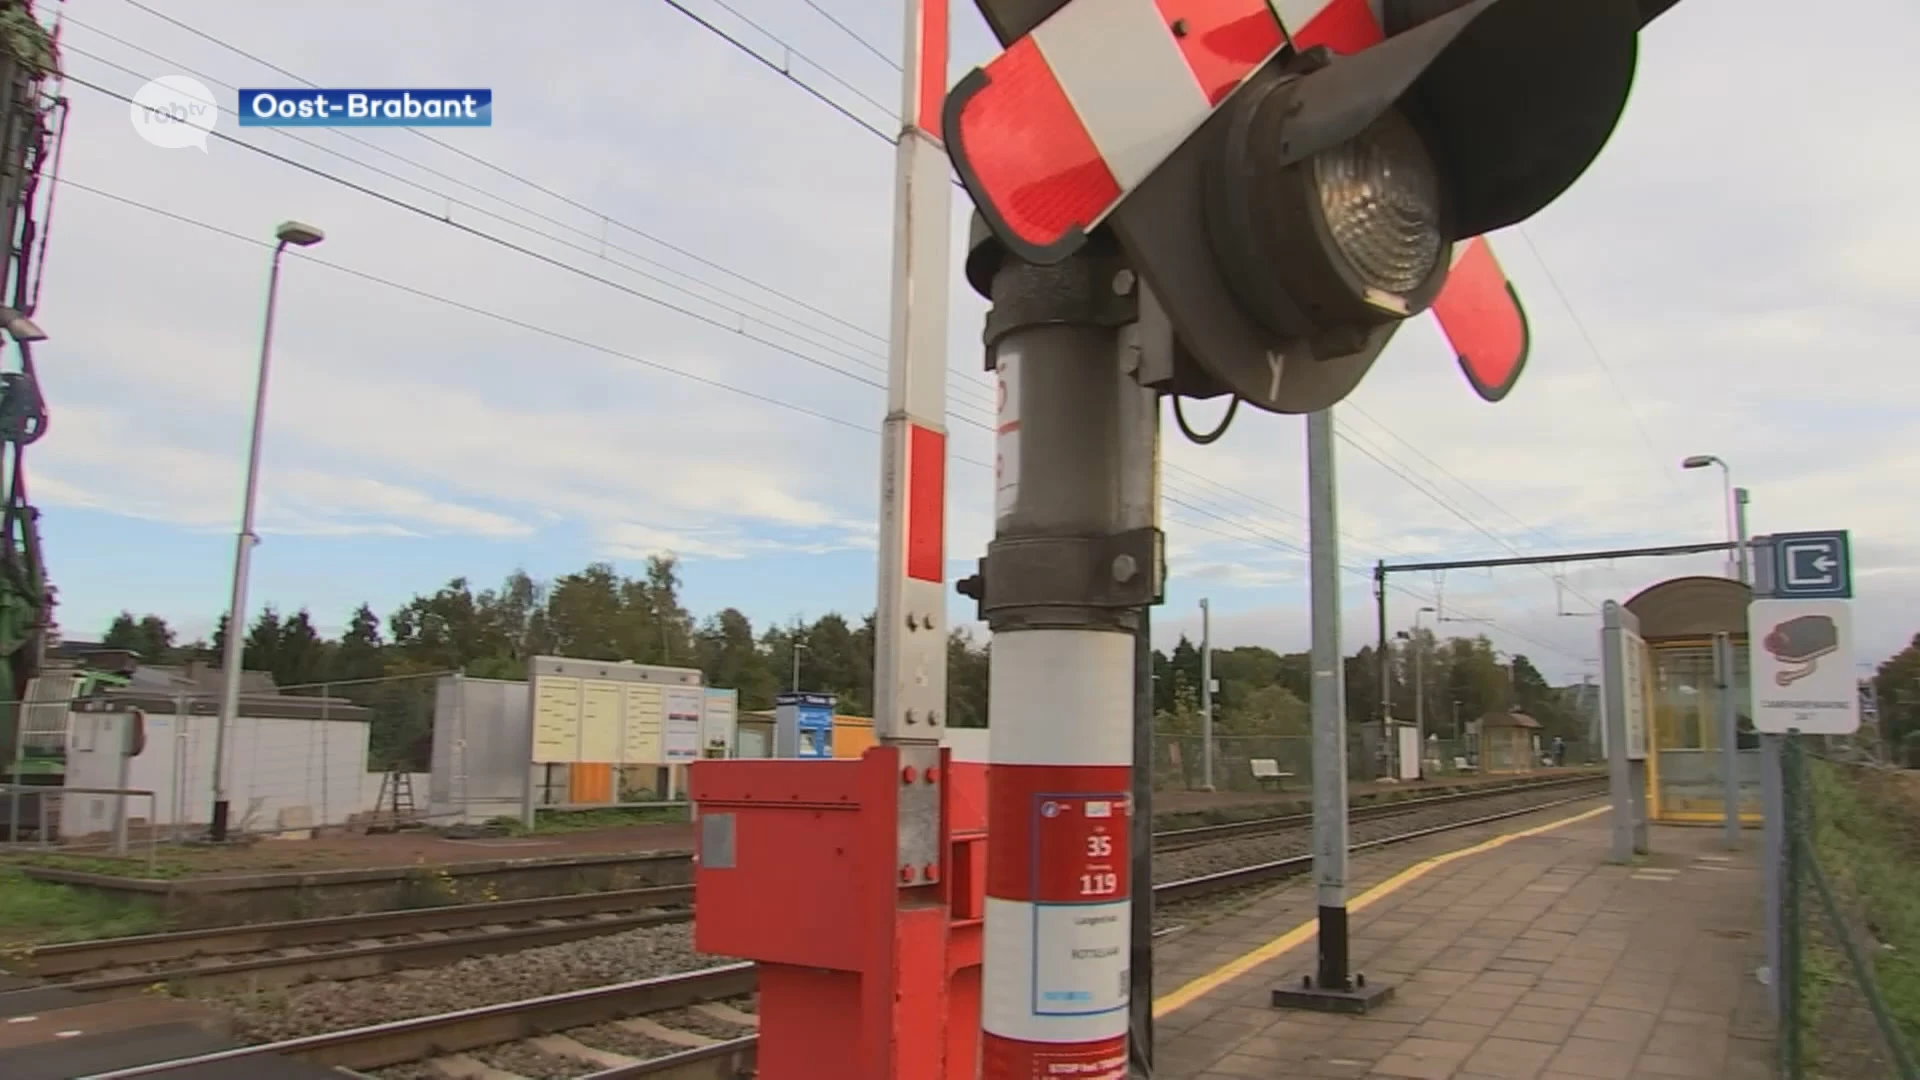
point(414, 107)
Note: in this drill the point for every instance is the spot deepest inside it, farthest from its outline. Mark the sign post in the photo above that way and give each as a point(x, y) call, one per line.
point(1624, 730)
point(1800, 653)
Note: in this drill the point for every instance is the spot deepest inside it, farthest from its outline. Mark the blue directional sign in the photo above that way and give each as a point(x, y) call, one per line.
point(1812, 566)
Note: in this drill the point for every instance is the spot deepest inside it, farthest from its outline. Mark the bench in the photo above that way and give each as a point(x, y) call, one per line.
point(1266, 772)
point(1460, 764)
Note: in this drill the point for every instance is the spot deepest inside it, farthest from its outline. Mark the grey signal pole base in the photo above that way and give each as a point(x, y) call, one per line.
point(1332, 988)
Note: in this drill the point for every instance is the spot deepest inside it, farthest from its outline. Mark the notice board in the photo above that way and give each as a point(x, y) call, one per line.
point(606, 712)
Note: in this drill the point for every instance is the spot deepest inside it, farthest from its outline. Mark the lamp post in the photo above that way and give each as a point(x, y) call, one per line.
point(1206, 695)
point(299, 235)
point(1419, 687)
point(1736, 557)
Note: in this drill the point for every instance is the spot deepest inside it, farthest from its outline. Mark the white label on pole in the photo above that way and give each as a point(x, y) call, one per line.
point(1080, 958)
point(1633, 653)
point(1802, 665)
point(683, 707)
point(1006, 441)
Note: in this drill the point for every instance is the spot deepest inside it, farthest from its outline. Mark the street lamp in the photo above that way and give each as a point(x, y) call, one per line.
point(1419, 684)
point(798, 648)
point(1701, 461)
point(298, 235)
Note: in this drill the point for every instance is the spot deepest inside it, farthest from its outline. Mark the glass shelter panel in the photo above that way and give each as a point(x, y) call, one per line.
point(1688, 766)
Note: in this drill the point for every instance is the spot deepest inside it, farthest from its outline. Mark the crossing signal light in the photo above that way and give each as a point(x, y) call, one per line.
point(1296, 178)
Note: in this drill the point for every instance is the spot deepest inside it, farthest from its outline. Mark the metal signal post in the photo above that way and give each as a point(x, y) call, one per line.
point(869, 968)
point(1067, 574)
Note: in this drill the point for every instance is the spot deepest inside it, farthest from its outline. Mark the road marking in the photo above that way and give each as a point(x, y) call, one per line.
point(1233, 969)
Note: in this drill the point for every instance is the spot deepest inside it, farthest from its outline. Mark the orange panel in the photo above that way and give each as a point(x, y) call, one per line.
point(852, 735)
point(590, 784)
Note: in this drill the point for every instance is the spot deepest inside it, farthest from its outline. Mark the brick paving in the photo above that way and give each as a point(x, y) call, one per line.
point(1535, 960)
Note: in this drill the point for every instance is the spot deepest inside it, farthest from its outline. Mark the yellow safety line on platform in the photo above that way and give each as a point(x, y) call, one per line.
point(1303, 933)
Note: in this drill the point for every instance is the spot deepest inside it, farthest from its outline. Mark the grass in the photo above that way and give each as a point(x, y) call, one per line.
point(1868, 844)
point(548, 822)
point(164, 868)
point(36, 913)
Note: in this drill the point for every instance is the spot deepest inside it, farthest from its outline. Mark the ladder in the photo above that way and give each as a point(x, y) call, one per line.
point(394, 806)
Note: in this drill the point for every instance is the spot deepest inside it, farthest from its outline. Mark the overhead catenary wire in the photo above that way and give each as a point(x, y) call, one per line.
point(1580, 326)
point(1175, 498)
point(854, 34)
point(1178, 415)
point(737, 44)
point(966, 388)
point(501, 170)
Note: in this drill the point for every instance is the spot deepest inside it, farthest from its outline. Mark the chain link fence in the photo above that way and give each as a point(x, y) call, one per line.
point(1850, 918)
point(296, 758)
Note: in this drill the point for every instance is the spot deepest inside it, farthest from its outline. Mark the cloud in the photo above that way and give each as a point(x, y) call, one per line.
point(1732, 276)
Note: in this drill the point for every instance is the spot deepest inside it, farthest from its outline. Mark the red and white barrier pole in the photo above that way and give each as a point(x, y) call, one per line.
point(1062, 587)
point(1058, 914)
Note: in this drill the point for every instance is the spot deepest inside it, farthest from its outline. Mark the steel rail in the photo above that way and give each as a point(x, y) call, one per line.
point(1259, 873)
point(362, 960)
point(79, 957)
point(1195, 836)
point(411, 1040)
point(400, 1041)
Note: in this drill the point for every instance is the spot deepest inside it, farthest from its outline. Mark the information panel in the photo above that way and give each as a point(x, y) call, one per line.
point(1804, 678)
point(613, 713)
point(1633, 652)
point(600, 721)
point(719, 719)
point(556, 720)
point(1080, 890)
point(684, 706)
point(646, 724)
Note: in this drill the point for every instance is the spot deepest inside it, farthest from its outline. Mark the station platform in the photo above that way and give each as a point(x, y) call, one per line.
point(47, 1033)
point(1518, 953)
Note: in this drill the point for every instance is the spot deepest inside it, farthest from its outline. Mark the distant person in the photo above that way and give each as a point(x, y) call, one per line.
point(1559, 752)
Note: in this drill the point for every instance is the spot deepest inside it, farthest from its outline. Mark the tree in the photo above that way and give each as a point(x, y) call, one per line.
point(968, 668)
point(1896, 686)
point(261, 649)
point(358, 656)
point(729, 658)
point(149, 635)
point(301, 657)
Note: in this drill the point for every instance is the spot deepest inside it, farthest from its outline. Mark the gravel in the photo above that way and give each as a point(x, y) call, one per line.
point(660, 950)
point(618, 1040)
point(532, 1063)
point(465, 984)
point(700, 1024)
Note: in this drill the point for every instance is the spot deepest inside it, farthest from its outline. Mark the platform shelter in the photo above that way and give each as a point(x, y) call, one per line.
point(1685, 771)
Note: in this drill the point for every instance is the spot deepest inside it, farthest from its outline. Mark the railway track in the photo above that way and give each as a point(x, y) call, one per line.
point(270, 955)
point(695, 1024)
point(1170, 840)
point(267, 955)
point(575, 1018)
point(1268, 872)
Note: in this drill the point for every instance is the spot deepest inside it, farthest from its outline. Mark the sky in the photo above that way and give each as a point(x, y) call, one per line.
point(479, 370)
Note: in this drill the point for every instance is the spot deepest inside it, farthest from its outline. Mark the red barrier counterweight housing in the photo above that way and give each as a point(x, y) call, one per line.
point(869, 969)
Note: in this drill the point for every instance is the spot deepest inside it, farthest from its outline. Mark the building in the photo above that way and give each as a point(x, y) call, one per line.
point(293, 760)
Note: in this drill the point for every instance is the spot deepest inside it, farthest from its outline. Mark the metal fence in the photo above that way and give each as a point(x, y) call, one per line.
point(297, 758)
point(1849, 919)
point(1179, 760)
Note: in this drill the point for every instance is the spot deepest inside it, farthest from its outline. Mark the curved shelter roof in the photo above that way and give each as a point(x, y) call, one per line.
point(1691, 607)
